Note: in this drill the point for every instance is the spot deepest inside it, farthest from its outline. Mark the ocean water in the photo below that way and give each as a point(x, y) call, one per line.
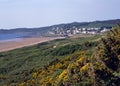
point(4, 37)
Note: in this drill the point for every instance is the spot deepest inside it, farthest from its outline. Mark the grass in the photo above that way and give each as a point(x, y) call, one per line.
point(19, 63)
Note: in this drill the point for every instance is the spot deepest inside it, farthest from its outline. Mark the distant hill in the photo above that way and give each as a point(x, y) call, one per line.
point(45, 30)
point(107, 23)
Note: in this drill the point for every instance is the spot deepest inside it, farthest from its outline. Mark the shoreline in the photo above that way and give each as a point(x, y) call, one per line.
point(23, 42)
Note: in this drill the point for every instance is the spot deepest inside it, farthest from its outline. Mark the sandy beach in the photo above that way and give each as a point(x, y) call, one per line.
point(14, 44)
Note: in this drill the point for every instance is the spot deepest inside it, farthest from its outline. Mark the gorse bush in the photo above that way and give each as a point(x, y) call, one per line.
point(108, 57)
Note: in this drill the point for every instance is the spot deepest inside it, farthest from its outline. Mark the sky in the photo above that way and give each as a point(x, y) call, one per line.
point(39, 13)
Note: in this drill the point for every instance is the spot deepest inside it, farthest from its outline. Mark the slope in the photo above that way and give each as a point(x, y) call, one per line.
point(101, 68)
point(18, 65)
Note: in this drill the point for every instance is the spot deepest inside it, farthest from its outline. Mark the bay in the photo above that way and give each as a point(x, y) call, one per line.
point(12, 36)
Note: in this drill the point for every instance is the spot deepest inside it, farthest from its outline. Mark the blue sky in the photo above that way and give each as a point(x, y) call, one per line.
point(38, 13)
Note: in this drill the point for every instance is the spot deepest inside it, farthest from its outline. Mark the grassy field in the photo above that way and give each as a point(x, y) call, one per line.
point(18, 65)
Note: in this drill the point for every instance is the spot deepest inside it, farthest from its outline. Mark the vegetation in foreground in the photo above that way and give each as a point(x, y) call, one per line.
point(18, 65)
point(67, 62)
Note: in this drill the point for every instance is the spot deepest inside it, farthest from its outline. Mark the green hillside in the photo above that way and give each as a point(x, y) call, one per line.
point(101, 68)
point(18, 65)
point(86, 61)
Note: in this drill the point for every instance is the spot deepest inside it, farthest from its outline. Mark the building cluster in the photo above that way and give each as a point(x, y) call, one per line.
point(75, 30)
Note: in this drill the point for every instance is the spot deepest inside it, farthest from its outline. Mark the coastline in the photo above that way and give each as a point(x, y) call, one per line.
point(23, 42)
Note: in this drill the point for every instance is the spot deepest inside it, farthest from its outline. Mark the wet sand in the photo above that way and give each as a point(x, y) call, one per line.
point(14, 44)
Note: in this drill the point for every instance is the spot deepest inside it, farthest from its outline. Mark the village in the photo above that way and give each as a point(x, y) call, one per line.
point(74, 30)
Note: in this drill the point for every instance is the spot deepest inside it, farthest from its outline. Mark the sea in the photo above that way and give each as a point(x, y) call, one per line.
point(12, 36)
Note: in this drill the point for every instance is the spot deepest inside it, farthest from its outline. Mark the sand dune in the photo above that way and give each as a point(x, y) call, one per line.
point(13, 44)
